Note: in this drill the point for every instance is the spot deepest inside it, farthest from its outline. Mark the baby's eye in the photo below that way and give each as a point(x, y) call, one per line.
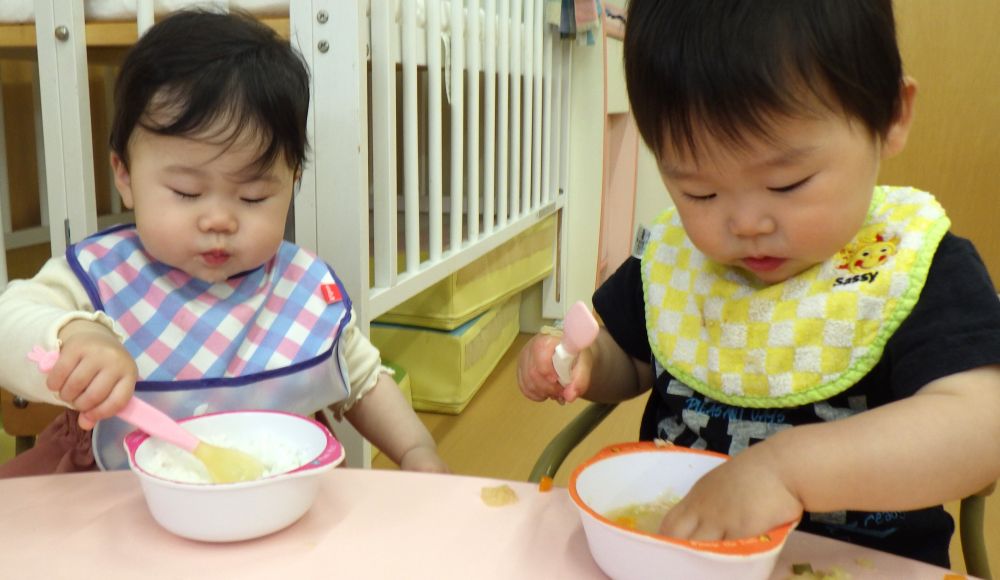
point(185, 195)
point(791, 187)
point(698, 197)
point(253, 200)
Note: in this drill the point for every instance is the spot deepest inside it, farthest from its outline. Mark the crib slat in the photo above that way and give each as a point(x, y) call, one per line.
point(536, 109)
point(5, 221)
point(547, 157)
point(490, 117)
point(472, 124)
point(434, 145)
point(457, 73)
point(43, 190)
point(528, 104)
point(517, 23)
point(411, 141)
point(383, 140)
point(503, 113)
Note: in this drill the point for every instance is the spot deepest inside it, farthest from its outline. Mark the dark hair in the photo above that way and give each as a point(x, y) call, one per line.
point(199, 70)
point(729, 67)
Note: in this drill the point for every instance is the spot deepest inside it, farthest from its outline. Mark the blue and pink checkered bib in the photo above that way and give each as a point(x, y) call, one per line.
point(264, 339)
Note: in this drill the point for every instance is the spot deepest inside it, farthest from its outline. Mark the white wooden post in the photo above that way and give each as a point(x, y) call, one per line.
point(65, 99)
point(332, 205)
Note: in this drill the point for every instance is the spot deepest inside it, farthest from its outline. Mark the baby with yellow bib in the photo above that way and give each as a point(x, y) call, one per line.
point(831, 335)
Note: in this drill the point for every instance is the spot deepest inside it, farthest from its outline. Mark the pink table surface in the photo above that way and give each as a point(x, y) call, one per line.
point(364, 524)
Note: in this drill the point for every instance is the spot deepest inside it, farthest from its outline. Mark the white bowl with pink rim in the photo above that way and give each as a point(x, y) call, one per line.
point(236, 511)
point(636, 473)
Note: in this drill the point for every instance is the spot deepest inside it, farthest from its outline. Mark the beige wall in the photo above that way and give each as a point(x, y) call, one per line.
point(950, 47)
point(651, 195)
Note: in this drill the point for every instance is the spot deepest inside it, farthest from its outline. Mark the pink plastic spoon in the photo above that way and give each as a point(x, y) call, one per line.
point(224, 465)
point(579, 331)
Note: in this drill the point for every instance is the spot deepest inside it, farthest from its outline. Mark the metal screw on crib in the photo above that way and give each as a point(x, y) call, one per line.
point(322, 16)
point(323, 46)
point(62, 33)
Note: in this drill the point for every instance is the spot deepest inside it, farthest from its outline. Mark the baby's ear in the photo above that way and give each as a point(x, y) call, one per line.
point(899, 131)
point(123, 179)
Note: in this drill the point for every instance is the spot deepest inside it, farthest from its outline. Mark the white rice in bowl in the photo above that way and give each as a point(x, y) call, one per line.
point(170, 462)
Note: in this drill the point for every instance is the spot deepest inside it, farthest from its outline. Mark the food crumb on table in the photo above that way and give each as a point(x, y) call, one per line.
point(498, 496)
point(805, 571)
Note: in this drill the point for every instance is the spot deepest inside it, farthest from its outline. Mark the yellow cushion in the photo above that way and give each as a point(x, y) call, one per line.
point(446, 368)
point(501, 273)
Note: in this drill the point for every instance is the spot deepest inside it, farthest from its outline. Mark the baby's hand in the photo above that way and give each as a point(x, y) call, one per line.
point(423, 458)
point(737, 499)
point(94, 372)
point(537, 376)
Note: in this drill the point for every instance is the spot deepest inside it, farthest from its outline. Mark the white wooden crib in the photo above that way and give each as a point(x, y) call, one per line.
point(439, 130)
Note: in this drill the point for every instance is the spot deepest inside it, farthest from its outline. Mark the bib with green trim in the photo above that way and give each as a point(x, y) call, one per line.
point(800, 341)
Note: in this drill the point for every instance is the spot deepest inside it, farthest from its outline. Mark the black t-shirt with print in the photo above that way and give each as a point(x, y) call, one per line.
point(954, 327)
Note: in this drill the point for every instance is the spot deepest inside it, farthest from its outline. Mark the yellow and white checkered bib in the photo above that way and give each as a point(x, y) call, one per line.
point(800, 341)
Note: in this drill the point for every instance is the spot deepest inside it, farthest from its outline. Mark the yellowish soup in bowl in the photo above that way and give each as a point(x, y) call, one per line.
point(643, 517)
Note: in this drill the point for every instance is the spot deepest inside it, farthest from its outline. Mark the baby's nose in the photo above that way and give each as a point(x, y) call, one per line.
point(749, 222)
point(218, 220)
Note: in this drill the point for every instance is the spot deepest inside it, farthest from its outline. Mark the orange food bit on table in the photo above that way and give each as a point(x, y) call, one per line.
point(545, 484)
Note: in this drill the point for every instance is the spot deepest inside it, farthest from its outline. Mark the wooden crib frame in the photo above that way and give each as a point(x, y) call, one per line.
point(506, 151)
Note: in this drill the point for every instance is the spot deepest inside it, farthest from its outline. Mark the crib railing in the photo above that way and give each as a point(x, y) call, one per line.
point(450, 137)
point(377, 128)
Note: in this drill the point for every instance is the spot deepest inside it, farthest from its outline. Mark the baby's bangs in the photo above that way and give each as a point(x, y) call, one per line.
point(738, 99)
point(222, 115)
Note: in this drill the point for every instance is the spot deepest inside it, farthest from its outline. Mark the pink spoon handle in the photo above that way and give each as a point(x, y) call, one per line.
point(136, 411)
point(157, 423)
point(580, 329)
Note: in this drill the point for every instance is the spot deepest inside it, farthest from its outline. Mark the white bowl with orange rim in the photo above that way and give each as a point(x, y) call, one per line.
point(642, 473)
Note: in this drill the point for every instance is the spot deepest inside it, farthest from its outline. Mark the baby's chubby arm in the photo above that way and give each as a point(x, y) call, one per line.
point(384, 417)
point(379, 411)
point(603, 372)
point(939, 445)
point(37, 314)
